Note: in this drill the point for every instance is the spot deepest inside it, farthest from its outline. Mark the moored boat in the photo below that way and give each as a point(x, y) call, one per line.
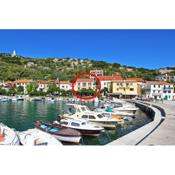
point(8, 136)
point(75, 111)
point(61, 133)
point(82, 126)
point(35, 137)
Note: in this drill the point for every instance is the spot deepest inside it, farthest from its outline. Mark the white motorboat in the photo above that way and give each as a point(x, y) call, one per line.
point(4, 99)
point(75, 111)
point(8, 136)
point(52, 100)
point(84, 127)
point(18, 98)
point(35, 137)
point(113, 114)
point(131, 110)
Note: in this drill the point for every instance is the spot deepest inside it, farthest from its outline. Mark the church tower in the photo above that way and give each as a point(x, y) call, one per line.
point(14, 53)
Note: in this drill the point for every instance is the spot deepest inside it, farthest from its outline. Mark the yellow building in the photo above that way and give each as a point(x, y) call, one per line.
point(125, 88)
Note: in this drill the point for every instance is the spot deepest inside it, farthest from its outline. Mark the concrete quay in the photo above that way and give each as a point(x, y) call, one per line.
point(161, 131)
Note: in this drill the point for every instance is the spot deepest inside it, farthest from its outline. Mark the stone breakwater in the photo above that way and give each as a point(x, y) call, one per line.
point(141, 135)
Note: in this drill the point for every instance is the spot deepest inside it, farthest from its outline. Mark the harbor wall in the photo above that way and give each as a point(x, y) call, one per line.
point(137, 136)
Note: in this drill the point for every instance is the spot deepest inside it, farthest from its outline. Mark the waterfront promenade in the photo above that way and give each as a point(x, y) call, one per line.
point(165, 133)
point(158, 132)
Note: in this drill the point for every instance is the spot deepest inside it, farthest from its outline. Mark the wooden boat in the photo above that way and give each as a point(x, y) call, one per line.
point(8, 136)
point(61, 133)
point(35, 137)
point(82, 126)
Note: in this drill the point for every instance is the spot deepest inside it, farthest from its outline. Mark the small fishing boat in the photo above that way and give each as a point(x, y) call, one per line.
point(35, 137)
point(61, 133)
point(8, 136)
point(82, 126)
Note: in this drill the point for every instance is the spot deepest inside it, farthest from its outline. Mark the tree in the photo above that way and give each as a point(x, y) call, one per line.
point(53, 89)
point(3, 91)
point(31, 87)
point(20, 90)
point(104, 91)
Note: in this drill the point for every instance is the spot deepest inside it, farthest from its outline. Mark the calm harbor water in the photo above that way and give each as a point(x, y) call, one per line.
point(21, 115)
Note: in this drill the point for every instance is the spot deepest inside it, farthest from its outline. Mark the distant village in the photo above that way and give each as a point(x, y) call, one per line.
point(114, 86)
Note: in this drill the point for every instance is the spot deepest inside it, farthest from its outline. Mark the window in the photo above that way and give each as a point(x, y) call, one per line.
point(99, 116)
point(79, 84)
point(104, 83)
point(169, 91)
point(91, 117)
point(131, 89)
point(64, 123)
point(75, 124)
point(84, 116)
point(84, 84)
point(89, 84)
point(83, 108)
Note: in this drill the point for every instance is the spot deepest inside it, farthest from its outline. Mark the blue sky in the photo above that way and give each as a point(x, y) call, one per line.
point(140, 48)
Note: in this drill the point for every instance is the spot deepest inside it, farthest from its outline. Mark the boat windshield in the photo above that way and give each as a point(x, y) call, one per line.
point(64, 123)
point(100, 115)
point(84, 108)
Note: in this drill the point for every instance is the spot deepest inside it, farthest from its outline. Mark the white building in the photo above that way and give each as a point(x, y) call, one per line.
point(97, 72)
point(165, 77)
point(65, 85)
point(22, 83)
point(160, 90)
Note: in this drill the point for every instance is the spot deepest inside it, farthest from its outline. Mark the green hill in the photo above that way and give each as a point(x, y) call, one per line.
point(19, 67)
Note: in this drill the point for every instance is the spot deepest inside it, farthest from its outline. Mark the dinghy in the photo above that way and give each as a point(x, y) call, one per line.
point(35, 137)
point(8, 136)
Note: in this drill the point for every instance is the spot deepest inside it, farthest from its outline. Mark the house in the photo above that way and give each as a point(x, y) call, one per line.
point(97, 72)
point(22, 83)
point(160, 90)
point(84, 83)
point(43, 85)
point(65, 85)
point(106, 81)
point(165, 77)
point(125, 88)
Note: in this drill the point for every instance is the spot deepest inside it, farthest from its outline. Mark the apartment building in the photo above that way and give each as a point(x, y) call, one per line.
point(84, 83)
point(160, 90)
point(125, 88)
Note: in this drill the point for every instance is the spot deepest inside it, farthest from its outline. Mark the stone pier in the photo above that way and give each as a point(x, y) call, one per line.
point(161, 131)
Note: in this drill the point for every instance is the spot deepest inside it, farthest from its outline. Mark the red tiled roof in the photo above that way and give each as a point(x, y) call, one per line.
point(157, 82)
point(136, 79)
point(65, 82)
point(23, 81)
point(84, 80)
point(116, 77)
point(45, 81)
